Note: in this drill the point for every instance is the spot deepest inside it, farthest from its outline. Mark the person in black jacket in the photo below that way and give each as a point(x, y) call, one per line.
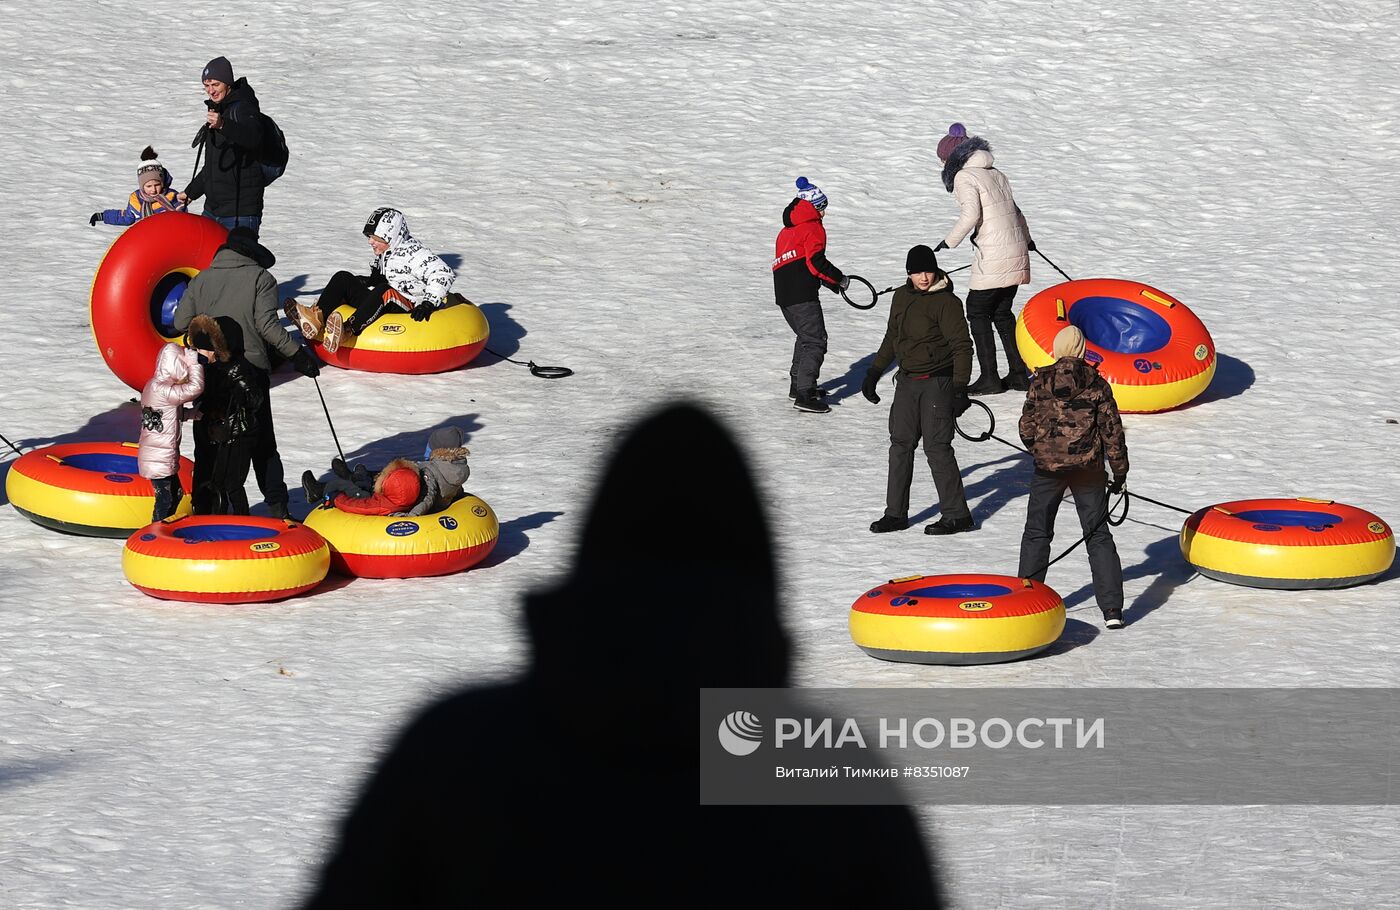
point(231, 179)
point(928, 336)
point(235, 392)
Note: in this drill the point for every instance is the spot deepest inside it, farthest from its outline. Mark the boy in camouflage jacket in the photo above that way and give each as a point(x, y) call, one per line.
point(1070, 424)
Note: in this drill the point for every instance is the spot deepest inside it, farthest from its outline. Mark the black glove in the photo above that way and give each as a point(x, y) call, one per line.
point(305, 364)
point(844, 283)
point(867, 388)
point(96, 217)
point(942, 245)
point(1115, 486)
point(1030, 246)
point(423, 311)
point(960, 400)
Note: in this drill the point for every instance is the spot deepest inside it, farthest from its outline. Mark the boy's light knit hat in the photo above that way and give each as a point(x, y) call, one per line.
point(1069, 342)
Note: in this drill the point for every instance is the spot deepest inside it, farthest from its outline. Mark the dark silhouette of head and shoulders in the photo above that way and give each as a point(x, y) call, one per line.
point(579, 780)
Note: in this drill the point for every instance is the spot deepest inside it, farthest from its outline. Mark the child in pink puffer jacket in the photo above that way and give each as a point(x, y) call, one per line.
point(178, 380)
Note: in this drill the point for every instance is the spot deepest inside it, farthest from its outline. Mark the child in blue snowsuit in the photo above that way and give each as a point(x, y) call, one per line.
point(153, 195)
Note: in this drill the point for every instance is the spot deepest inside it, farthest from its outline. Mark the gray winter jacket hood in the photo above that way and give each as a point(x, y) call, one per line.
point(236, 286)
point(443, 471)
point(450, 471)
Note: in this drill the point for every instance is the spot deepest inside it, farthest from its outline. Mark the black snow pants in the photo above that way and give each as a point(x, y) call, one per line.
point(1089, 487)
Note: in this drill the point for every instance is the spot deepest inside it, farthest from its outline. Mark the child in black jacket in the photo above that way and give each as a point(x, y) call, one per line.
point(234, 392)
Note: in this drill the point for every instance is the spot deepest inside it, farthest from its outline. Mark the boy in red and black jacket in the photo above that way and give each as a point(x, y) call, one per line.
point(800, 268)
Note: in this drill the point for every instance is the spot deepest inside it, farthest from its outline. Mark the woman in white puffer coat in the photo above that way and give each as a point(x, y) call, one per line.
point(1002, 261)
point(178, 380)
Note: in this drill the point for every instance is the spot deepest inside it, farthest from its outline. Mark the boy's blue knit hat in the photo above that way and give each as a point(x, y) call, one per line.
point(808, 190)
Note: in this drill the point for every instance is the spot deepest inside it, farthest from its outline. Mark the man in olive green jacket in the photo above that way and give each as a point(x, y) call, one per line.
point(928, 335)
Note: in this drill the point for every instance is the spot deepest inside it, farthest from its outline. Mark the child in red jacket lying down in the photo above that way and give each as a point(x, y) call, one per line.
point(396, 490)
point(404, 487)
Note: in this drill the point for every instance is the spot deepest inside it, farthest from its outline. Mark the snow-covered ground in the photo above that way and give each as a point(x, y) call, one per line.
point(608, 178)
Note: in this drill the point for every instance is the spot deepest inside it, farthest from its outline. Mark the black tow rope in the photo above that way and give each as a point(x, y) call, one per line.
point(1124, 499)
point(891, 289)
point(11, 445)
point(198, 143)
point(329, 422)
point(1053, 265)
point(874, 297)
point(535, 369)
point(1164, 505)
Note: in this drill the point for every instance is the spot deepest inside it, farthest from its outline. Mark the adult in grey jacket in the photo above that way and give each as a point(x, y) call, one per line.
point(1002, 262)
point(237, 285)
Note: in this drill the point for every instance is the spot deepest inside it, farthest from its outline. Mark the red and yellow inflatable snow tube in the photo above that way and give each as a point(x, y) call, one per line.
point(957, 619)
point(1287, 543)
point(374, 546)
point(1154, 352)
point(226, 559)
point(88, 488)
point(394, 343)
point(139, 283)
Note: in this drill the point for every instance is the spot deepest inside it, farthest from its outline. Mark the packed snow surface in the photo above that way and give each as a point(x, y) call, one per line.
point(607, 178)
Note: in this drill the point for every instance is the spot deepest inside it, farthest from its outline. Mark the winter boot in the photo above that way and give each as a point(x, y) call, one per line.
point(306, 318)
point(279, 510)
point(335, 326)
point(888, 523)
point(1018, 379)
point(820, 393)
point(809, 402)
point(339, 469)
point(946, 525)
point(313, 488)
point(989, 382)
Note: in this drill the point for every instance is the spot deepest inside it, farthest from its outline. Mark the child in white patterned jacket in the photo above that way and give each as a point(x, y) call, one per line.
point(405, 275)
